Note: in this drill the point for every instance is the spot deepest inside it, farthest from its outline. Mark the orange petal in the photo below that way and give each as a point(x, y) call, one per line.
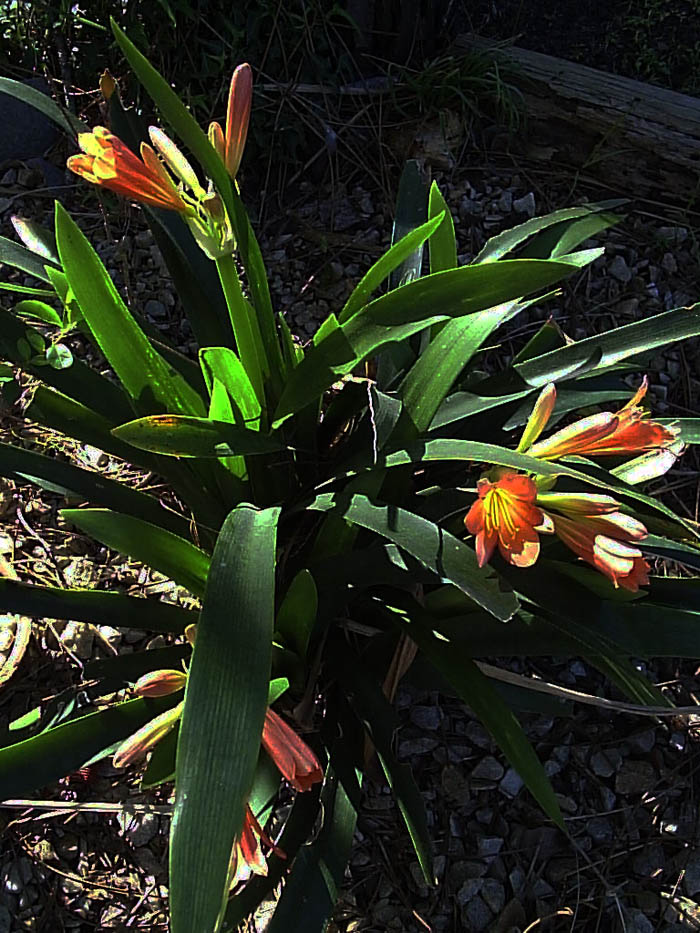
point(160, 683)
point(576, 437)
point(292, 756)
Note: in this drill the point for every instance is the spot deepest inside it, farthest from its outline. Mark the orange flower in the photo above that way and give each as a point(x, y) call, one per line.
point(505, 514)
point(107, 161)
point(607, 434)
point(247, 858)
point(230, 145)
point(291, 755)
point(595, 529)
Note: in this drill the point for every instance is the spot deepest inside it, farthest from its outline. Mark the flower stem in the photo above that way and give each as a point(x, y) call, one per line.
point(245, 326)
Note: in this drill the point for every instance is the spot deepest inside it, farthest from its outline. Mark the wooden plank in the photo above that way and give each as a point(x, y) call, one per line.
point(640, 139)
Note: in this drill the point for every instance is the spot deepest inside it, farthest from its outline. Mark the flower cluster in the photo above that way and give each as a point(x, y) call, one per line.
point(513, 509)
point(164, 178)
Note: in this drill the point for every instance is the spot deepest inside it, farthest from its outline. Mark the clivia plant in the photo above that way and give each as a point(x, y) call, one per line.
point(370, 506)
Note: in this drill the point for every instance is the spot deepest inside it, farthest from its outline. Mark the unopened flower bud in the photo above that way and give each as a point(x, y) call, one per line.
point(141, 742)
point(160, 683)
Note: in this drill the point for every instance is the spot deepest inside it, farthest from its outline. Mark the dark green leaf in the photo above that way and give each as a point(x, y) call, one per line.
point(68, 480)
point(42, 102)
point(225, 703)
point(296, 615)
point(176, 557)
point(98, 608)
point(145, 375)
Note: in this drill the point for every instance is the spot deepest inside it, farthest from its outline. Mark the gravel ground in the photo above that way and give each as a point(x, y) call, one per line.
point(627, 786)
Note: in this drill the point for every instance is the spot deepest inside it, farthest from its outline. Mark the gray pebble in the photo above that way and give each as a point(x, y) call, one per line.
point(489, 846)
point(476, 916)
point(673, 235)
point(605, 763)
point(512, 783)
point(525, 205)
point(619, 270)
point(426, 717)
point(416, 746)
point(494, 895)
point(505, 202)
point(600, 829)
point(638, 922)
point(669, 264)
point(488, 769)
point(156, 309)
point(469, 891)
point(138, 829)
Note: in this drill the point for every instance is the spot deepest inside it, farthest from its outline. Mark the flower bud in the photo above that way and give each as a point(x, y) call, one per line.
point(160, 683)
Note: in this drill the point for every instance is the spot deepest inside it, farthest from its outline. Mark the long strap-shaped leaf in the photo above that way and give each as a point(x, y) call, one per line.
point(99, 608)
point(66, 479)
point(225, 702)
point(176, 557)
point(141, 369)
point(611, 347)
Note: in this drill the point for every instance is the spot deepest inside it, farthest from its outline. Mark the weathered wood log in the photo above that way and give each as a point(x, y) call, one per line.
point(640, 139)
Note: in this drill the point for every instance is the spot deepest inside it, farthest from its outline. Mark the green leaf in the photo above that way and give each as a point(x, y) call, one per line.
point(225, 703)
point(36, 238)
point(222, 363)
point(42, 102)
point(41, 310)
point(64, 414)
point(432, 375)
point(561, 238)
point(98, 608)
point(75, 482)
point(385, 265)
point(443, 245)
point(185, 436)
point(42, 759)
point(502, 244)
point(434, 547)
point(176, 557)
point(26, 290)
point(477, 691)
point(408, 310)
point(372, 707)
point(145, 375)
point(58, 356)
point(411, 212)
point(611, 347)
point(689, 428)
point(296, 616)
point(12, 254)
